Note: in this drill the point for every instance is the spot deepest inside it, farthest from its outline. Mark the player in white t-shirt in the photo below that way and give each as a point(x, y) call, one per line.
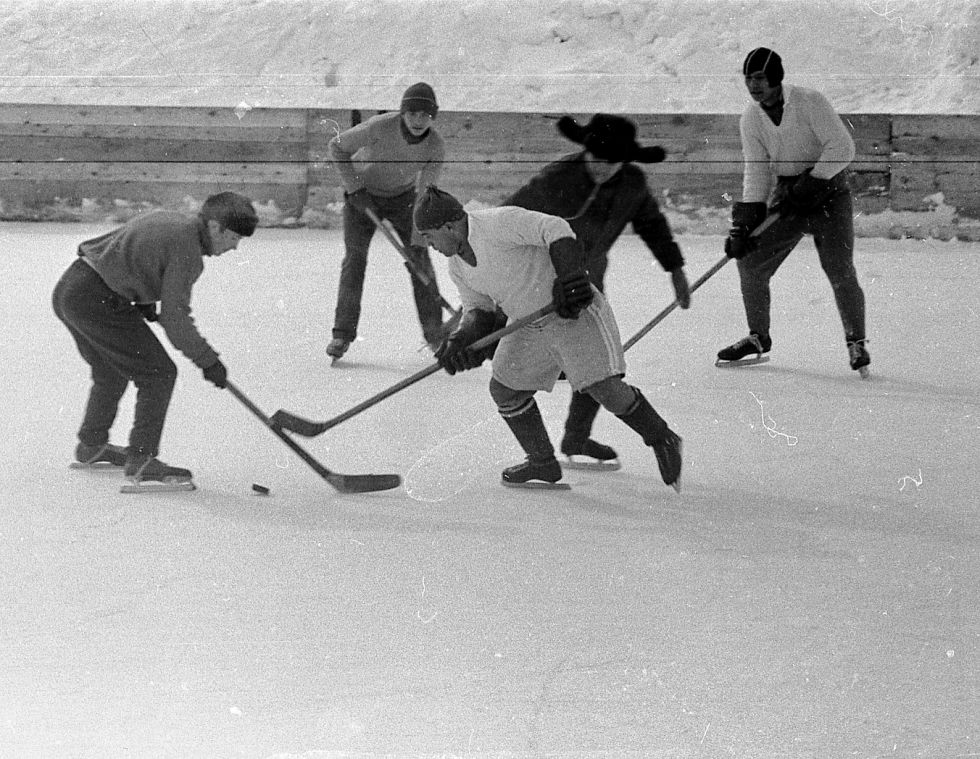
point(520, 261)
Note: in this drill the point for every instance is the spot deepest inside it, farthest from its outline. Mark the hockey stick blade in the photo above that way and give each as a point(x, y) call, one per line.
point(283, 420)
point(344, 483)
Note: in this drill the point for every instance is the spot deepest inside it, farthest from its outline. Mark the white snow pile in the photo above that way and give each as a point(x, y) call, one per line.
point(886, 56)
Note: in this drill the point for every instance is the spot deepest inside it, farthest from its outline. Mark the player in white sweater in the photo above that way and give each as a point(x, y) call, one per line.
point(519, 261)
point(796, 151)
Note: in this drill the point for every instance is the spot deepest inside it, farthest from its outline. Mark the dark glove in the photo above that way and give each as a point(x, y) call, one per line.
point(362, 201)
point(572, 293)
point(147, 310)
point(217, 374)
point(572, 290)
point(745, 218)
point(455, 354)
point(805, 195)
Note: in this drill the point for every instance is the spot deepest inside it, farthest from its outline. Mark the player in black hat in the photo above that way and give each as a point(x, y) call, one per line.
point(599, 190)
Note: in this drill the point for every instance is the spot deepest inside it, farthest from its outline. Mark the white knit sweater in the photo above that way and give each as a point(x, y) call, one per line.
point(810, 135)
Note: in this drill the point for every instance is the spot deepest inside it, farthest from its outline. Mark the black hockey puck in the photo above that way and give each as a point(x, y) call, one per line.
point(260, 489)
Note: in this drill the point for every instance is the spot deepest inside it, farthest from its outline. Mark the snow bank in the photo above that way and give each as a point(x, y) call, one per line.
point(889, 56)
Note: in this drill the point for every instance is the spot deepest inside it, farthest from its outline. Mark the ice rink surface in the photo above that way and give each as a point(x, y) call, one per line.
point(813, 591)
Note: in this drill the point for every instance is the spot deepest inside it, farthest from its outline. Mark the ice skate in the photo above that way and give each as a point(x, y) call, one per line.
point(737, 354)
point(336, 348)
point(668, 453)
point(665, 442)
point(859, 356)
point(589, 455)
point(535, 474)
point(150, 475)
point(105, 456)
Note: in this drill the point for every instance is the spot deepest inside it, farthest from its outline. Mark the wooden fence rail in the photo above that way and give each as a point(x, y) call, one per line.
point(62, 156)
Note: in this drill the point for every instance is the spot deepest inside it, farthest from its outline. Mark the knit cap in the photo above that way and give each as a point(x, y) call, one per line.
point(435, 208)
point(420, 97)
point(767, 61)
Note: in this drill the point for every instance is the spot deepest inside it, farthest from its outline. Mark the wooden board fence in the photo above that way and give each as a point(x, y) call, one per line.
point(163, 156)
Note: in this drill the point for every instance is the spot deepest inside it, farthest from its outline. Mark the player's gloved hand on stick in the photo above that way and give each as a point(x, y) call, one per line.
point(682, 290)
point(455, 356)
point(216, 374)
point(362, 201)
point(455, 353)
point(745, 218)
point(807, 194)
point(148, 311)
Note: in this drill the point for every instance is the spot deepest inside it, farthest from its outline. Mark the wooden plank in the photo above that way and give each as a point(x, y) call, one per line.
point(150, 116)
point(150, 171)
point(37, 194)
point(122, 150)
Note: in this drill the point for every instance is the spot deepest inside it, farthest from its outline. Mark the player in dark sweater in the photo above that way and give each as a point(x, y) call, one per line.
point(598, 191)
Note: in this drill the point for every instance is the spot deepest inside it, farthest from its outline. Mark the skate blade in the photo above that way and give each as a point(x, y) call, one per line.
point(537, 485)
point(98, 465)
point(157, 486)
point(676, 484)
point(865, 372)
point(590, 464)
point(722, 364)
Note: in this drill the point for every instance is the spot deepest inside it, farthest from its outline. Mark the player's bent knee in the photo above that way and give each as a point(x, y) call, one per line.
point(506, 398)
point(613, 394)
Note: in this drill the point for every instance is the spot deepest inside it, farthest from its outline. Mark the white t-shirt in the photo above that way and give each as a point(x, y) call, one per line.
point(513, 268)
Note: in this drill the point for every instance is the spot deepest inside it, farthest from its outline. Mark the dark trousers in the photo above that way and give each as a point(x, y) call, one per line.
point(832, 227)
point(358, 231)
point(120, 348)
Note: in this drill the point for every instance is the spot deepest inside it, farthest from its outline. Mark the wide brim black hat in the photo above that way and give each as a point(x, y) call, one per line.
point(610, 138)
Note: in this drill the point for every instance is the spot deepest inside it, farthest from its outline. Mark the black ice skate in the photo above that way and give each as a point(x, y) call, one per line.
point(336, 348)
point(737, 354)
point(860, 358)
point(150, 475)
point(542, 474)
point(105, 456)
point(589, 454)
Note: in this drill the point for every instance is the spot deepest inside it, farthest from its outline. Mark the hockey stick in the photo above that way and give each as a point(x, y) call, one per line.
point(767, 222)
point(391, 233)
point(345, 483)
point(286, 421)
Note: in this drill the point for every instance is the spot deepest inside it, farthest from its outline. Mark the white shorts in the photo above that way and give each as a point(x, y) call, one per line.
point(587, 349)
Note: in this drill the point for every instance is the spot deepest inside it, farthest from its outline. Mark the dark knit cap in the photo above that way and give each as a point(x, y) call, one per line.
point(610, 138)
point(767, 61)
point(420, 97)
point(232, 211)
point(435, 208)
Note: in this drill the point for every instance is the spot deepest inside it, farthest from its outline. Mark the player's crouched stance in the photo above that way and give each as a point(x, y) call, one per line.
point(105, 299)
point(520, 261)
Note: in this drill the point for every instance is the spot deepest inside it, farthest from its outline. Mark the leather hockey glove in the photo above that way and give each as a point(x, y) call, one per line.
point(806, 195)
point(361, 200)
point(217, 374)
point(147, 310)
point(572, 293)
point(454, 354)
point(572, 290)
point(745, 218)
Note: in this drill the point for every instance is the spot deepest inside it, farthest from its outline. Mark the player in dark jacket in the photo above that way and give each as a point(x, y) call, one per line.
point(599, 190)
